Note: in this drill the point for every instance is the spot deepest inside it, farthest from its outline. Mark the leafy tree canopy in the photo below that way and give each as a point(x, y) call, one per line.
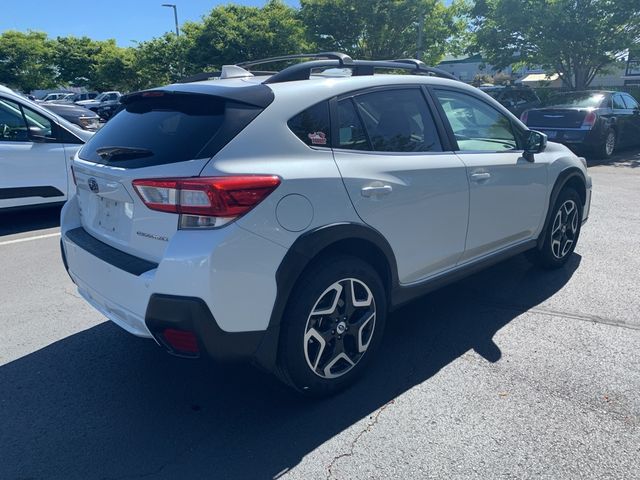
point(26, 60)
point(576, 38)
point(383, 29)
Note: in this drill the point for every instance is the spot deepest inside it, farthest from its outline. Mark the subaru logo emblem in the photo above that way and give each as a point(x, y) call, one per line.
point(93, 185)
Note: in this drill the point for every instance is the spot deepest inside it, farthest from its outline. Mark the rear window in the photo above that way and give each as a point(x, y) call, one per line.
point(578, 100)
point(165, 129)
point(312, 125)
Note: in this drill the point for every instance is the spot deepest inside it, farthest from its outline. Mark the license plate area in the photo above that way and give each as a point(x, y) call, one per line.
point(111, 216)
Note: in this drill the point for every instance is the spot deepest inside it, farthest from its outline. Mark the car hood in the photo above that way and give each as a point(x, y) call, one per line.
point(69, 109)
point(88, 103)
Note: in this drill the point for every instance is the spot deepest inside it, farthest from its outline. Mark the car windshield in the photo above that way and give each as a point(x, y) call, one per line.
point(101, 96)
point(577, 99)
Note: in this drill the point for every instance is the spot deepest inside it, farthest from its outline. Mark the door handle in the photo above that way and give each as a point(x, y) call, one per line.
point(375, 191)
point(479, 177)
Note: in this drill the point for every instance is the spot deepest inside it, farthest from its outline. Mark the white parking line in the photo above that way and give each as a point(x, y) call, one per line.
point(28, 239)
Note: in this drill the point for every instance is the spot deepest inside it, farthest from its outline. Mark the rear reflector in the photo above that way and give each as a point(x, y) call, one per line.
point(198, 199)
point(181, 341)
point(524, 117)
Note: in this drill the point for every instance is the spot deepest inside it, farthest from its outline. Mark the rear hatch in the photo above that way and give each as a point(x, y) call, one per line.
point(165, 133)
point(556, 117)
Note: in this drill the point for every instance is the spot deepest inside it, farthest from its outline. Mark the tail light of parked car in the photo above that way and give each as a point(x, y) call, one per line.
point(590, 120)
point(524, 116)
point(206, 202)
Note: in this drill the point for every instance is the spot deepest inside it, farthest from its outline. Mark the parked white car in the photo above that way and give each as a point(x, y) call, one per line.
point(36, 147)
point(278, 218)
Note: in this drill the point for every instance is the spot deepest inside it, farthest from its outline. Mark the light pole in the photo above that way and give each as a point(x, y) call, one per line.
point(175, 15)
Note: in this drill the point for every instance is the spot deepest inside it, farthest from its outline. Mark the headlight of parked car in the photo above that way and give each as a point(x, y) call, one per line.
point(90, 123)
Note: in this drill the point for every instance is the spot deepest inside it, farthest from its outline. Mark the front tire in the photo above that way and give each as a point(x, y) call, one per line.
point(332, 326)
point(562, 232)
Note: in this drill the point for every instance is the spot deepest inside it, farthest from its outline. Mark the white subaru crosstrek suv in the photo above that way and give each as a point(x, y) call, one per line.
point(279, 217)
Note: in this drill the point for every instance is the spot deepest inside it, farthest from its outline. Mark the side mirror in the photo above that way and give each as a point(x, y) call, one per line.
point(535, 142)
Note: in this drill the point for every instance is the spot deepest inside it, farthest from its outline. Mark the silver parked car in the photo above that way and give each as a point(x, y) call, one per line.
point(279, 217)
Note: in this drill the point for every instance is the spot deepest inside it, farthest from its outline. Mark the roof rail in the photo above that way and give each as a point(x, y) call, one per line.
point(302, 71)
point(343, 58)
point(199, 77)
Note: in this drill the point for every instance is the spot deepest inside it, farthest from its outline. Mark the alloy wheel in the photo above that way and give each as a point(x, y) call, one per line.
point(610, 143)
point(339, 328)
point(565, 229)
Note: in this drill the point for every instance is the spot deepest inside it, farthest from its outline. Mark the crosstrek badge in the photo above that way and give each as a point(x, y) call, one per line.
point(318, 138)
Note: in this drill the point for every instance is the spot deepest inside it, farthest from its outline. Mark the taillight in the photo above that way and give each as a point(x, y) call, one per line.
point(206, 202)
point(590, 120)
point(524, 116)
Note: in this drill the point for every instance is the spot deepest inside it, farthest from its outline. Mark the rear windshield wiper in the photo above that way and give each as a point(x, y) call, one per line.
point(123, 153)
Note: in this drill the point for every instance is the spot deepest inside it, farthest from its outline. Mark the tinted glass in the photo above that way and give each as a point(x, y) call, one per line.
point(312, 126)
point(493, 92)
point(38, 124)
point(519, 97)
point(350, 128)
point(169, 129)
point(618, 103)
point(398, 121)
point(578, 99)
point(629, 101)
point(476, 125)
point(12, 124)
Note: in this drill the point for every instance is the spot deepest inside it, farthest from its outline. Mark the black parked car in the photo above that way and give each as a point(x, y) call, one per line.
point(592, 122)
point(82, 117)
point(514, 99)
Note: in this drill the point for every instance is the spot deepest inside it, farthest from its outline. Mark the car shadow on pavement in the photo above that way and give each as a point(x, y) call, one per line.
point(629, 158)
point(104, 404)
point(20, 221)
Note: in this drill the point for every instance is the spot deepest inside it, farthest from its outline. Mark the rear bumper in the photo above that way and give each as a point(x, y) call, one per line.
point(161, 312)
point(573, 137)
point(219, 285)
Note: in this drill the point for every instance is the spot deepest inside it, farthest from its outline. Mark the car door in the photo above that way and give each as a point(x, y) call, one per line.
point(32, 163)
point(507, 192)
point(633, 119)
point(402, 179)
point(624, 120)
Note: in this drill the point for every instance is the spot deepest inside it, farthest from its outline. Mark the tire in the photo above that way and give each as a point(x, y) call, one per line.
point(562, 232)
point(322, 353)
point(608, 146)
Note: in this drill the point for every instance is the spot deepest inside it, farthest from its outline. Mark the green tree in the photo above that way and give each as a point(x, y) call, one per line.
point(162, 60)
point(576, 38)
point(75, 58)
point(114, 68)
point(26, 60)
point(232, 33)
point(383, 29)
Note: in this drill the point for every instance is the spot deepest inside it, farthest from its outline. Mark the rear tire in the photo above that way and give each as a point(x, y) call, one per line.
point(562, 232)
point(332, 326)
point(608, 146)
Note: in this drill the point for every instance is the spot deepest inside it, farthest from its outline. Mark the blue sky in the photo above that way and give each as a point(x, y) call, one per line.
point(125, 20)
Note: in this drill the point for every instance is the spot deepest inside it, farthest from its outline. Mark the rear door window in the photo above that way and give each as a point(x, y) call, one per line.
point(157, 130)
point(312, 125)
point(629, 101)
point(350, 130)
point(398, 120)
point(618, 103)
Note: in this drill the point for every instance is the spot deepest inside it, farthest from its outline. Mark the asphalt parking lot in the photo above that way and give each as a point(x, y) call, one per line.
point(512, 373)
